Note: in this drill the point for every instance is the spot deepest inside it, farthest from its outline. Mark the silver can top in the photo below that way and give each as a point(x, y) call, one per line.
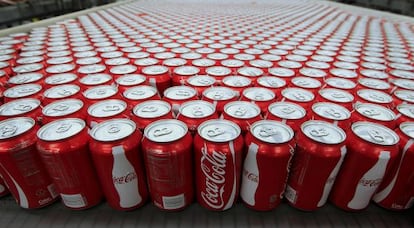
point(95, 79)
point(107, 108)
point(155, 70)
point(174, 62)
point(232, 63)
point(123, 69)
point(312, 72)
point(259, 94)
point(250, 71)
point(22, 90)
point(147, 62)
point(140, 92)
point(403, 74)
point(28, 68)
point(323, 132)
point(306, 82)
point(203, 62)
point(201, 80)
point(180, 92)
point(62, 107)
point(374, 83)
point(152, 109)
point(58, 79)
point(236, 81)
point(287, 110)
point(340, 83)
point(375, 133)
point(242, 109)
point(61, 68)
point(92, 69)
point(186, 70)
point(113, 130)
point(272, 131)
point(197, 109)
point(408, 129)
point(13, 127)
point(374, 74)
point(405, 95)
point(404, 83)
point(271, 82)
point(131, 79)
point(61, 91)
point(406, 110)
point(343, 73)
point(259, 63)
point(18, 107)
point(336, 95)
point(219, 131)
point(25, 78)
point(163, 131)
point(219, 93)
point(88, 61)
point(281, 72)
point(218, 71)
point(375, 96)
point(297, 94)
point(376, 112)
point(61, 129)
point(99, 92)
point(331, 111)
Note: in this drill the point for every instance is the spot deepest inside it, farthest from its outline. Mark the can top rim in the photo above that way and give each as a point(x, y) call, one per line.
point(167, 130)
point(61, 129)
point(271, 131)
point(13, 127)
point(219, 130)
point(323, 132)
point(378, 134)
point(113, 130)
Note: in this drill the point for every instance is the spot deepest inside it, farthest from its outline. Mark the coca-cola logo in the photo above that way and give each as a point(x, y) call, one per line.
point(213, 167)
point(124, 179)
point(370, 183)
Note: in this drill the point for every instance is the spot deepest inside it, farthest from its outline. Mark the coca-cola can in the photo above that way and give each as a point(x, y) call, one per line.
point(396, 191)
point(200, 83)
point(105, 110)
point(307, 83)
point(374, 113)
point(66, 108)
point(27, 107)
point(158, 77)
point(168, 157)
point(372, 153)
point(63, 147)
point(374, 97)
point(332, 113)
point(21, 166)
point(270, 148)
point(177, 95)
point(288, 113)
point(252, 73)
point(260, 96)
point(116, 153)
point(26, 68)
point(343, 73)
point(61, 92)
point(151, 111)
point(402, 84)
point(193, 113)
point(60, 69)
point(118, 71)
point(137, 94)
point(23, 91)
point(99, 93)
point(321, 147)
point(337, 96)
point(218, 150)
point(298, 96)
point(130, 80)
point(242, 113)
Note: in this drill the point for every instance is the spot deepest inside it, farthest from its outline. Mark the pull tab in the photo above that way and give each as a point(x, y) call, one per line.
point(238, 83)
point(113, 129)
point(61, 108)
point(218, 95)
point(303, 83)
point(26, 90)
point(371, 112)
point(162, 132)
point(8, 130)
point(129, 80)
point(333, 113)
point(63, 128)
point(182, 93)
point(321, 132)
point(64, 92)
point(267, 132)
point(272, 82)
point(101, 92)
point(240, 111)
point(376, 97)
point(149, 109)
point(215, 132)
point(138, 92)
point(288, 110)
point(23, 108)
point(197, 111)
point(111, 108)
point(376, 136)
point(299, 96)
point(203, 81)
point(259, 96)
point(57, 80)
point(338, 95)
point(23, 80)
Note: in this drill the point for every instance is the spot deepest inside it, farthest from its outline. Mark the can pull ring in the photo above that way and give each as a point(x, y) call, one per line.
point(321, 132)
point(182, 93)
point(267, 132)
point(197, 111)
point(288, 110)
point(215, 132)
point(162, 132)
point(240, 112)
point(371, 112)
point(8, 130)
point(63, 128)
point(149, 109)
point(333, 113)
point(376, 136)
point(299, 96)
point(61, 108)
point(23, 108)
point(111, 108)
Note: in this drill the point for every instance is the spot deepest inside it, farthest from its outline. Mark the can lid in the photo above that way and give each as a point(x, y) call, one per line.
point(107, 108)
point(374, 83)
point(218, 71)
point(403, 74)
point(259, 94)
point(60, 78)
point(404, 83)
point(271, 82)
point(375, 133)
point(12, 127)
point(271, 131)
point(88, 61)
point(29, 60)
point(374, 66)
point(140, 92)
point(180, 92)
point(152, 109)
point(287, 110)
point(163, 131)
point(154, 70)
point(346, 65)
point(62, 107)
point(331, 111)
point(27, 68)
point(148, 62)
point(61, 91)
point(131, 79)
point(405, 95)
point(117, 61)
point(233, 63)
point(92, 69)
point(259, 63)
point(197, 109)
point(323, 132)
point(376, 112)
point(406, 110)
point(242, 109)
point(18, 107)
point(174, 62)
point(99, 92)
point(61, 129)
point(236, 81)
point(61, 68)
point(59, 60)
point(123, 69)
point(281, 72)
point(219, 93)
point(113, 130)
point(250, 71)
point(244, 57)
point(336, 95)
point(343, 73)
point(201, 80)
point(22, 90)
point(219, 130)
point(297, 94)
point(374, 74)
point(374, 96)
point(408, 129)
point(401, 66)
point(186, 70)
point(306, 82)
point(25, 78)
point(312, 72)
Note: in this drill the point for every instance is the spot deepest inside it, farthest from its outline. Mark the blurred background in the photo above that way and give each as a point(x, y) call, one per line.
point(405, 7)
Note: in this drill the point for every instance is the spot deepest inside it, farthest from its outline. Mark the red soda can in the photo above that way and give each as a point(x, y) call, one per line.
point(26, 78)
point(402, 84)
point(118, 160)
point(218, 72)
point(402, 96)
point(30, 60)
point(99, 93)
point(340, 83)
point(321, 147)
point(236, 83)
point(395, 192)
point(405, 113)
point(177, 95)
point(273, 83)
point(332, 113)
point(181, 74)
point(23, 91)
point(218, 150)
point(307, 83)
point(270, 148)
point(145, 62)
point(66, 108)
point(6, 67)
point(138, 94)
point(151, 111)
point(158, 77)
point(298, 96)
point(374, 97)
point(288, 113)
point(20, 165)
point(262, 97)
point(63, 147)
point(200, 83)
point(371, 83)
point(337, 96)
point(105, 110)
point(372, 153)
point(61, 92)
point(374, 113)
point(88, 61)
point(242, 113)
point(193, 113)
point(60, 79)
point(167, 148)
point(27, 107)
point(130, 80)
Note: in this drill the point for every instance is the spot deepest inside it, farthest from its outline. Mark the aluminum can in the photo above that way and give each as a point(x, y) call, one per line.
point(374, 113)
point(218, 150)
point(25, 107)
point(63, 147)
point(168, 157)
point(116, 153)
point(270, 148)
point(61, 68)
point(92, 80)
point(91, 69)
point(372, 152)
point(181, 74)
point(403, 96)
point(60, 79)
point(337, 96)
point(252, 73)
point(99, 93)
point(177, 95)
point(262, 97)
point(218, 72)
point(158, 77)
point(332, 113)
point(200, 83)
point(21, 166)
point(298, 96)
point(310, 84)
point(61, 92)
point(106, 110)
point(118, 71)
point(66, 108)
point(288, 113)
point(371, 83)
point(404, 113)
point(273, 83)
point(26, 78)
point(321, 147)
point(130, 80)
point(151, 111)
point(23, 91)
point(340, 83)
point(343, 73)
point(242, 113)
point(236, 83)
point(374, 97)
point(193, 113)
point(401, 84)
point(137, 94)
